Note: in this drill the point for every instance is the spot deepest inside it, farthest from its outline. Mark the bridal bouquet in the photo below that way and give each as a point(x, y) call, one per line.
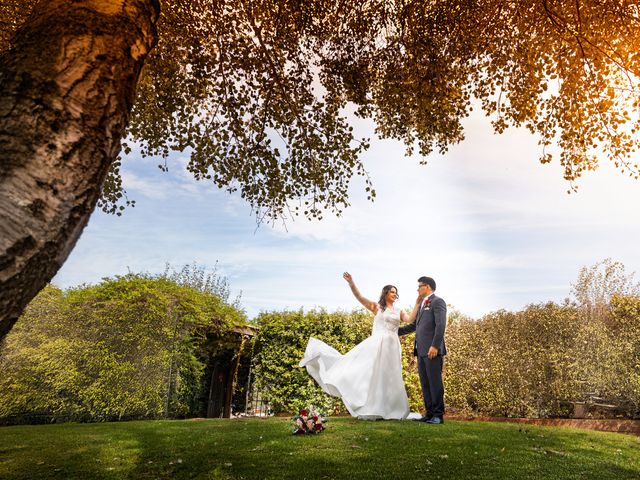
point(308, 422)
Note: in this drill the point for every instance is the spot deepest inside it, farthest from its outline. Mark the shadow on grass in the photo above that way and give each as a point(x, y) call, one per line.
point(59, 451)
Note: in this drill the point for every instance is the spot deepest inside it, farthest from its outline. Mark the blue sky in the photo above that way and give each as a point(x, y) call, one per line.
point(494, 227)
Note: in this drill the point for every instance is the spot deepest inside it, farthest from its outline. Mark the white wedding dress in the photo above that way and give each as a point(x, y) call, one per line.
point(368, 378)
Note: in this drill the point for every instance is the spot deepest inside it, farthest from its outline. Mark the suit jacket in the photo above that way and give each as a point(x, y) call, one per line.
point(429, 325)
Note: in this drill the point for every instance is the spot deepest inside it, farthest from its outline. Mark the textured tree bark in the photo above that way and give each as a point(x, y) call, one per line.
point(67, 86)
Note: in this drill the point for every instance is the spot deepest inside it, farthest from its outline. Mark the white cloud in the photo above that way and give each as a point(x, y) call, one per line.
point(137, 185)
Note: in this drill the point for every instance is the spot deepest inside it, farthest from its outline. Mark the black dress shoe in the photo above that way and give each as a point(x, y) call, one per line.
point(435, 420)
point(424, 419)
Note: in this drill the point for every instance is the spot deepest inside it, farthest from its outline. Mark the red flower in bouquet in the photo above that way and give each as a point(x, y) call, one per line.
point(304, 412)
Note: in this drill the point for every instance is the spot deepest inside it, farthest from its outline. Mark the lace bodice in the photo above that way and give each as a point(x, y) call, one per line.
point(386, 322)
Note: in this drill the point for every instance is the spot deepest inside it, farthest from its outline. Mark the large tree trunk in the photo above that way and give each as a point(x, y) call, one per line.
point(67, 86)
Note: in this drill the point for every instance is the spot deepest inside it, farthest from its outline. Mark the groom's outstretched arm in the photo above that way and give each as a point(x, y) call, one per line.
point(407, 329)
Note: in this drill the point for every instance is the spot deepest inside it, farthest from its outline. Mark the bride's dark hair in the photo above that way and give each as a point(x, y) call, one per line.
point(383, 296)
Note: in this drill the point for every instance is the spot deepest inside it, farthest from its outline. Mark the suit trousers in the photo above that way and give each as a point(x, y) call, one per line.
point(430, 372)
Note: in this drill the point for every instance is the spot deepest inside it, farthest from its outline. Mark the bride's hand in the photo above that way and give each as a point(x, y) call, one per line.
point(347, 276)
point(420, 299)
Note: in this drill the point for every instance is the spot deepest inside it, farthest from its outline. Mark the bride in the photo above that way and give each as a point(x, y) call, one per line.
point(368, 378)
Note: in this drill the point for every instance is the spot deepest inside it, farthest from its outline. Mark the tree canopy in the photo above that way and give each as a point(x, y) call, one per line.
point(258, 91)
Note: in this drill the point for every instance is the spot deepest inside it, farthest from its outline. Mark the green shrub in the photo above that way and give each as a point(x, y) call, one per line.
point(538, 361)
point(125, 348)
point(608, 355)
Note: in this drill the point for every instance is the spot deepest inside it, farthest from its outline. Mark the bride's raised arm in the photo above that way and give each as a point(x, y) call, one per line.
point(368, 304)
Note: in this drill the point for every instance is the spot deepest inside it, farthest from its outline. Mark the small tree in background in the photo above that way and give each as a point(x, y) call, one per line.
point(197, 277)
point(596, 286)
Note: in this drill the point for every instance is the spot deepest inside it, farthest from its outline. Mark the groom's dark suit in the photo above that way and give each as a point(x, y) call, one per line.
point(429, 325)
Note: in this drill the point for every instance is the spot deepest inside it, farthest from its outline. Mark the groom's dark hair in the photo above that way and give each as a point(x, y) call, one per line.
point(428, 281)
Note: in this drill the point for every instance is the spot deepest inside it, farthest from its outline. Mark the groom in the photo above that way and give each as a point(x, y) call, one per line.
point(430, 314)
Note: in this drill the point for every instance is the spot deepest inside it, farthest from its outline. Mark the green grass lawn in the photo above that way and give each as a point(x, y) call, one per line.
point(350, 449)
